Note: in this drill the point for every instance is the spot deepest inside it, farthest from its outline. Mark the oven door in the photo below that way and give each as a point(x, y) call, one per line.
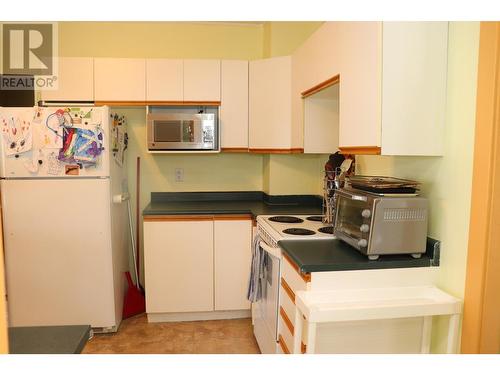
point(265, 310)
point(179, 132)
point(353, 219)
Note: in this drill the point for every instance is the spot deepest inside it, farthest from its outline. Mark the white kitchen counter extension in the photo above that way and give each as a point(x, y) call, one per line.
point(327, 306)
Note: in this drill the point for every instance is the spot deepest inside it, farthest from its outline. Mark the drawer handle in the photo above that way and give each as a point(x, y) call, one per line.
point(286, 320)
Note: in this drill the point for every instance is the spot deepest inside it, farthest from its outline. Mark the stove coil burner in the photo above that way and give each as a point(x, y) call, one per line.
point(328, 230)
point(314, 218)
point(299, 231)
point(286, 219)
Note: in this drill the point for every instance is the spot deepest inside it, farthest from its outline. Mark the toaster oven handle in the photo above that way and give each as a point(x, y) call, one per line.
point(353, 196)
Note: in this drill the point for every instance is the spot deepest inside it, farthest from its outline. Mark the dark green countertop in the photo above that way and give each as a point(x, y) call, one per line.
point(335, 255)
point(213, 203)
point(48, 339)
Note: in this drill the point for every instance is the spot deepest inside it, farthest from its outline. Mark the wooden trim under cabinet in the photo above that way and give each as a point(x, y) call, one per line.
point(121, 103)
point(305, 276)
point(360, 150)
point(288, 290)
point(125, 103)
point(276, 150)
point(198, 217)
point(234, 149)
point(192, 102)
point(320, 86)
point(286, 320)
point(178, 218)
point(233, 217)
point(283, 345)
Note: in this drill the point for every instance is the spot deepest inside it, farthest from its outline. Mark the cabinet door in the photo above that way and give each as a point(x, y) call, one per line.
point(164, 80)
point(234, 105)
point(202, 80)
point(270, 103)
point(120, 79)
point(178, 258)
point(414, 87)
point(360, 52)
point(75, 80)
point(233, 255)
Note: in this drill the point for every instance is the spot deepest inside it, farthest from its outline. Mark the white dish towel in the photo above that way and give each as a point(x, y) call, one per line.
point(256, 272)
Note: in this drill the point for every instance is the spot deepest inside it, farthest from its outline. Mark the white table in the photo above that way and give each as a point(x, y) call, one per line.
point(376, 303)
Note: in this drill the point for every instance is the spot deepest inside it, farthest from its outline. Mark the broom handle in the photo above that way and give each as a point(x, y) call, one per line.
point(137, 208)
point(131, 227)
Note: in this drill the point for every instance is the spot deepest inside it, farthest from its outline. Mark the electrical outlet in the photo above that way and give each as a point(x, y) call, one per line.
point(179, 174)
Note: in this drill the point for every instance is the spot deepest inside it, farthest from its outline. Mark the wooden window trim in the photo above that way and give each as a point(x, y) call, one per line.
point(481, 318)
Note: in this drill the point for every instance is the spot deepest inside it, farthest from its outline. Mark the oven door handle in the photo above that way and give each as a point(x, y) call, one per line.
point(274, 251)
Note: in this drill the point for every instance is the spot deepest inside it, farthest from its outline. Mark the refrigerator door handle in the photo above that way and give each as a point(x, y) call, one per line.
point(120, 198)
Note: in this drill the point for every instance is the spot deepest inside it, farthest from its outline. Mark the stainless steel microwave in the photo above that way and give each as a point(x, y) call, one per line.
point(379, 225)
point(182, 132)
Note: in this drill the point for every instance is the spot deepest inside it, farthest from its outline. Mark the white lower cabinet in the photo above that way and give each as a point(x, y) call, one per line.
point(196, 267)
point(377, 336)
point(233, 255)
point(179, 260)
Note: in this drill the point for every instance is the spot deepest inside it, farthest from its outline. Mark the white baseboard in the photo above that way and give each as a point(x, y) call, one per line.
point(194, 316)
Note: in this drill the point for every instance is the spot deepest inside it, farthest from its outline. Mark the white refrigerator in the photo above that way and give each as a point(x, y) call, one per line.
point(65, 239)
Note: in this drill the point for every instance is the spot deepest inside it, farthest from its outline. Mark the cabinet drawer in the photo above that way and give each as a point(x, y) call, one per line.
point(287, 302)
point(286, 337)
point(282, 347)
point(293, 278)
point(284, 332)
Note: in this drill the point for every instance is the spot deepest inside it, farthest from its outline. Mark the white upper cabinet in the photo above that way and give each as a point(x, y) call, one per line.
point(165, 80)
point(202, 80)
point(360, 54)
point(414, 76)
point(75, 80)
point(119, 79)
point(270, 126)
point(234, 104)
point(392, 85)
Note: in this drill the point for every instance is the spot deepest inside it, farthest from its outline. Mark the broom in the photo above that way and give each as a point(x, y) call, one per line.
point(134, 302)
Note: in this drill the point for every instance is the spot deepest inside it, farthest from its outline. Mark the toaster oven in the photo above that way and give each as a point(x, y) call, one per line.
point(377, 224)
